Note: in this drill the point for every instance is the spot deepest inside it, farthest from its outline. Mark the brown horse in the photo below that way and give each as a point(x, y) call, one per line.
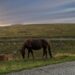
point(36, 44)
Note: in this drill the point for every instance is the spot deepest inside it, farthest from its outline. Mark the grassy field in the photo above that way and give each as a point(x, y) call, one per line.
point(38, 30)
point(13, 37)
point(57, 46)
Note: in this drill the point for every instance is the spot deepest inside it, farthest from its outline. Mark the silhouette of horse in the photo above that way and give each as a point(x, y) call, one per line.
point(36, 44)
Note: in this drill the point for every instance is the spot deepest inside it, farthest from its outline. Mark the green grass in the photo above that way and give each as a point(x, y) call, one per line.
point(13, 37)
point(18, 65)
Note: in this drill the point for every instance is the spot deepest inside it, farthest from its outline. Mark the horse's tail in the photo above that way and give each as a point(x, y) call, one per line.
point(49, 50)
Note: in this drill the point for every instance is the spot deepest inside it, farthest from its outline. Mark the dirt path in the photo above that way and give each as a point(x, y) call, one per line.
point(67, 68)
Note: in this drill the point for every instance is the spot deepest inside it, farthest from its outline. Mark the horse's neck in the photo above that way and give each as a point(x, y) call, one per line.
point(28, 43)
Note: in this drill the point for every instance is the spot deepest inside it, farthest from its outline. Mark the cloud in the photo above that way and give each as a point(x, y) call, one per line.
point(36, 11)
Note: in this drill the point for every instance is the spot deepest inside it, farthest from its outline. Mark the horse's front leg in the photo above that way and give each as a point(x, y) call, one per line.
point(28, 53)
point(23, 53)
point(32, 54)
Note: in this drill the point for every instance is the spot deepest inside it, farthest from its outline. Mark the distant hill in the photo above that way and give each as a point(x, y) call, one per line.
point(38, 30)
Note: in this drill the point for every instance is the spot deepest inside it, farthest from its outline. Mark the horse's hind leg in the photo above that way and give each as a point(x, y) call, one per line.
point(45, 52)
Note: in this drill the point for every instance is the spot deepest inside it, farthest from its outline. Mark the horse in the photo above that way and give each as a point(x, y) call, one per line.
point(36, 44)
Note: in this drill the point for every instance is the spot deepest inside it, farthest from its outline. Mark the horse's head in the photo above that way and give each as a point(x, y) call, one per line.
point(22, 51)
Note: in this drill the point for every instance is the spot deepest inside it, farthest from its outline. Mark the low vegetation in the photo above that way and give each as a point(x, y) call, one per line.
point(13, 37)
point(18, 65)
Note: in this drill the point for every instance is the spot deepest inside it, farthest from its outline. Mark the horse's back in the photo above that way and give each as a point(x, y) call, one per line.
point(36, 44)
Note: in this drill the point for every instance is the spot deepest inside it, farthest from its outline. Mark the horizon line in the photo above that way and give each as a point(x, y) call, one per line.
point(32, 24)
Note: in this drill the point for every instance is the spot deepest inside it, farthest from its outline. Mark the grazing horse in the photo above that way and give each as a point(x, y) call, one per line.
point(36, 44)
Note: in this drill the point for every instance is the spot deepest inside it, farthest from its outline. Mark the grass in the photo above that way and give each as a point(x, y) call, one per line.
point(13, 37)
point(18, 65)
point(38, 30)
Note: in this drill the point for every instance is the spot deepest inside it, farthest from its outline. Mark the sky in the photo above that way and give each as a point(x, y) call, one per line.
point(36, 11)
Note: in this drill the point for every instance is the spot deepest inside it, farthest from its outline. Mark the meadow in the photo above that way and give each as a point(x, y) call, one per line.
point(13, 37)
point(38, 30)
